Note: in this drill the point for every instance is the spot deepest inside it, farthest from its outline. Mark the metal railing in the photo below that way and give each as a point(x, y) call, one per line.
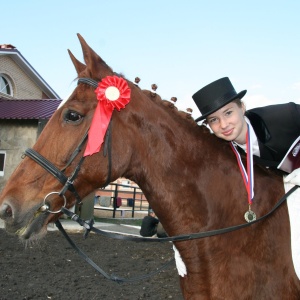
point(132, 194)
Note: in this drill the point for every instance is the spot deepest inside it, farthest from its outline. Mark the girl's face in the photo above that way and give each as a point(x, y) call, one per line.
point(228, 123)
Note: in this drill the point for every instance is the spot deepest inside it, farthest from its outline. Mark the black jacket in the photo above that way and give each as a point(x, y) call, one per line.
point(276, 128)
point(149, 226)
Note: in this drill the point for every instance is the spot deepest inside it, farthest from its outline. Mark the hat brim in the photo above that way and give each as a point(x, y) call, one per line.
point(240, 95)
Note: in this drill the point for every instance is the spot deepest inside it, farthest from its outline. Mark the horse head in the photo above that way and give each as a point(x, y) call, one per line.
point(30, 186)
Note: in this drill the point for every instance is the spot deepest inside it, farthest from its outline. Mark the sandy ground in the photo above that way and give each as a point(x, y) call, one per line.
point(51, 269)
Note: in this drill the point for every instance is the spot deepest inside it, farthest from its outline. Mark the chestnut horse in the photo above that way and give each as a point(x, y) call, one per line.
point(190, 178)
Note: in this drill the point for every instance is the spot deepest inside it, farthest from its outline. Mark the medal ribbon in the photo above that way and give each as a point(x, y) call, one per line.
point(248, 177)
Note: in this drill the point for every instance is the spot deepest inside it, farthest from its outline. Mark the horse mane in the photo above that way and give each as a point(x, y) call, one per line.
point(185, 118)
point(156, 98)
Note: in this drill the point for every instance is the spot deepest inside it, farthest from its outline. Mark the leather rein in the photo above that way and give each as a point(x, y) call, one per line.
point(68, 184)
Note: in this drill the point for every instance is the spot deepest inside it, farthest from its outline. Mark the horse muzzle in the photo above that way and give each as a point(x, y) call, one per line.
point(30, 223)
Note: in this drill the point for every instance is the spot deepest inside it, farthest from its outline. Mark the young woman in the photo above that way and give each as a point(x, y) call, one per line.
point(273, 129)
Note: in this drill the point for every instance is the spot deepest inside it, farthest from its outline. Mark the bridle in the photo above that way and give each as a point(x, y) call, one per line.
point(68, 182)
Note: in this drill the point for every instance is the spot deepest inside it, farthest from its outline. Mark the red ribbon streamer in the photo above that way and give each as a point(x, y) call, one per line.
point(104, 110)
point(248, 177)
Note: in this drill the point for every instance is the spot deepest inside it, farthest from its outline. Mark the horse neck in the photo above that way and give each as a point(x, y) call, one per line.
point(169, 152)
point(184, 170)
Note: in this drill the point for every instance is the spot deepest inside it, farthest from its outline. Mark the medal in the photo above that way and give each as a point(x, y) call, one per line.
point(250, 216)
point(248, 176)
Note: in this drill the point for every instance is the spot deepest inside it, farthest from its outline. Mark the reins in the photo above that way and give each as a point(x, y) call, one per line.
point(68, 184)
point(88, 226)
point(184, 237)
point(100, 270)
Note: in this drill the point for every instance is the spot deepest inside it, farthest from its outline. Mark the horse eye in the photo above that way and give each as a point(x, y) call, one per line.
point(73, 116)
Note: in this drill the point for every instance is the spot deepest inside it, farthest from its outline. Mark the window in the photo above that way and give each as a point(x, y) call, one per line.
point(5, 86)
point(2, 162)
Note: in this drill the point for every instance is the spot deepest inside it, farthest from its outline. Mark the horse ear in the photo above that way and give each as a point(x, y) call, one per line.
point(77, 64)
point(92, 60)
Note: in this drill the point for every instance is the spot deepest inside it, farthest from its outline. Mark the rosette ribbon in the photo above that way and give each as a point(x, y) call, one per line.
point(112, 93)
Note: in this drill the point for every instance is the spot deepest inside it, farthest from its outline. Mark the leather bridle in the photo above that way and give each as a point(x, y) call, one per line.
point(68, 182)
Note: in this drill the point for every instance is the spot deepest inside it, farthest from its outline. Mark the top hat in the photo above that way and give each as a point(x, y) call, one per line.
point(215, 95)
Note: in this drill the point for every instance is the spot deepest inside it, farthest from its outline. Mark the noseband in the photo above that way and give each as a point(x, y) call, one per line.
point(68, 182)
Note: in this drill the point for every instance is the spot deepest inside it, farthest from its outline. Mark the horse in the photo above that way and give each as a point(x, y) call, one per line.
point(190, 178)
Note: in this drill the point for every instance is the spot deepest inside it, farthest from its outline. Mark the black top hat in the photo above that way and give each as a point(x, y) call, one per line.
point(215, 95)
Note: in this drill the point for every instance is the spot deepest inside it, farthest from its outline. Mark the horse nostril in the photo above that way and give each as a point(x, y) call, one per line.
point(6, 211)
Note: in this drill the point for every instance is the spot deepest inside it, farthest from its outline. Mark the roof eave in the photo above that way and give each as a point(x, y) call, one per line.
point(30, 71)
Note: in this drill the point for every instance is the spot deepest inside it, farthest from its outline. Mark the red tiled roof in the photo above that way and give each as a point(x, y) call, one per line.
point(27, 109)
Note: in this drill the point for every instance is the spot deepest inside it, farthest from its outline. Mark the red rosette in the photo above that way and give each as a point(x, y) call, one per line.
point(114, 91)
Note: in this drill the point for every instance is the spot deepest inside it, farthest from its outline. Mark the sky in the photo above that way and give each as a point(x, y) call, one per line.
point(179, 45)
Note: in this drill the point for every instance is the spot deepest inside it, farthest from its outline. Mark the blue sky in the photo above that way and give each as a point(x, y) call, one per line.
point(179, 45)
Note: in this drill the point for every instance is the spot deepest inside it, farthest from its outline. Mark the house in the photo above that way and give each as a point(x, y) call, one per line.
point(26, 104)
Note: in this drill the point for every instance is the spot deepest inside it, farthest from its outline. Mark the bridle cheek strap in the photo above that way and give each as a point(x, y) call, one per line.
point(107, 152)
point(67, 182)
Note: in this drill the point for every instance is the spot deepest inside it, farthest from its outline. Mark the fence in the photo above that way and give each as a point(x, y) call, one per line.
point(120, 197)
